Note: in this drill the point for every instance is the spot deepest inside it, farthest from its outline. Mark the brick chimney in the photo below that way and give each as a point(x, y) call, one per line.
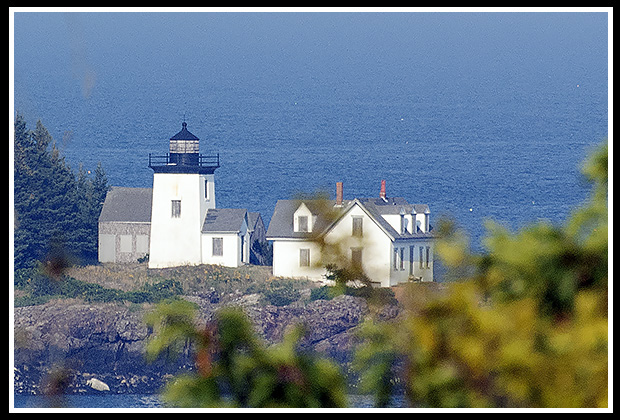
point(382, 193)
point(339, 195)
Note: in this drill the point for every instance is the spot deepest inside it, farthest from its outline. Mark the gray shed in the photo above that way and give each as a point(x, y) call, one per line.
point(125, 224)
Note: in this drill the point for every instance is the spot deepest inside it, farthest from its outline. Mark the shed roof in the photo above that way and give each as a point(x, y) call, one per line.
point(253, 218)
point(123, 204)
point(224, 220)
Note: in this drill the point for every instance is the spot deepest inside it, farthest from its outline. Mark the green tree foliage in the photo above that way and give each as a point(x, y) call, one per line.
point(55, 210)
point(524, 324)
point(235, 369)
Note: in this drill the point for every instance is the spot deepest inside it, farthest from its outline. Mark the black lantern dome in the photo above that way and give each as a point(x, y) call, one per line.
point(184, 156)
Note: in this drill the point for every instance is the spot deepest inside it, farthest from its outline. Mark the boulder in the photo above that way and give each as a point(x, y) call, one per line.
point(95, 383)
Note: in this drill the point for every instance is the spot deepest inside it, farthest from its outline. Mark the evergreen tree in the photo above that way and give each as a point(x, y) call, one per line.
point(24, 150)
point(54, 209)
point(90, 195)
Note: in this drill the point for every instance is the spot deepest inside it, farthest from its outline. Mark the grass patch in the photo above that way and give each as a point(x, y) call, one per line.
point(37, 289)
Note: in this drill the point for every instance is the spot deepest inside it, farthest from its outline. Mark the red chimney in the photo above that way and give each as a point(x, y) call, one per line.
point(339, 195)
point(382, 193)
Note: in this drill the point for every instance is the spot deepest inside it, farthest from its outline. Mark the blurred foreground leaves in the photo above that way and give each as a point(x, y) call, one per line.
point(235, 369)
point(522, 325)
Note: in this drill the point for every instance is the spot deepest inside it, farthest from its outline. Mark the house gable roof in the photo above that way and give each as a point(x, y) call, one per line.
point(394, 206)
point(124, 204)
point(224, 220)
point(281, 224)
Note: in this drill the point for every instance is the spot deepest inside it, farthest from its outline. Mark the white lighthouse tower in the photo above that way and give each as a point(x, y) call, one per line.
point(183, 191)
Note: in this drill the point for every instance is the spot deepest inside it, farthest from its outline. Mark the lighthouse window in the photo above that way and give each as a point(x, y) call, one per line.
point(176, 209)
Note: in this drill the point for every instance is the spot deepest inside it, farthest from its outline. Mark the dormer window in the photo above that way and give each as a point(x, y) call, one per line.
point(303, 219)
point(403, 221)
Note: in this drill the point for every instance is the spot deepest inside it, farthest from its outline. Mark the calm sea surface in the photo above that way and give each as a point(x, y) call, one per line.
point(480, 115)
point(146, 401)
point(92, 401)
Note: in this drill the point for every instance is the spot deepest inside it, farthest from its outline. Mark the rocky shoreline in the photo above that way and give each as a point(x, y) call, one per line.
point(96, 348)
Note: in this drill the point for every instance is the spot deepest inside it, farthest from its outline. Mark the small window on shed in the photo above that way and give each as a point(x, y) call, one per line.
point(218, 247)
point(142, 243)
point(126, 243)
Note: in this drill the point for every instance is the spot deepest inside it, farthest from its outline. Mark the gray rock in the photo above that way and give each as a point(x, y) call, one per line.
point(108, 340)
point(95, 383)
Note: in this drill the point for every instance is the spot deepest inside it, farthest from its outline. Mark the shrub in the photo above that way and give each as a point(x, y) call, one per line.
point(322, 293)
point(281, 293)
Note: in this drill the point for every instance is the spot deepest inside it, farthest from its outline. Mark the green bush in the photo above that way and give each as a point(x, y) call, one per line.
point(322, 293)
point(379, 295)
point(281, 293)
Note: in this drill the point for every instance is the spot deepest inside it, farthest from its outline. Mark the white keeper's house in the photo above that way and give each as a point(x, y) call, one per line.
point(177, 222)
point(388, 238)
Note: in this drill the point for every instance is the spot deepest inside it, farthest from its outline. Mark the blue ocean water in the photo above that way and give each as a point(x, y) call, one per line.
point(147, 401)
point(143, 401)
point(479, 115)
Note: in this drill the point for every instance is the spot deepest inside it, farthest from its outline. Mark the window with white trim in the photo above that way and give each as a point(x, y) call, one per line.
point(304, 257)
point(218, 247)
